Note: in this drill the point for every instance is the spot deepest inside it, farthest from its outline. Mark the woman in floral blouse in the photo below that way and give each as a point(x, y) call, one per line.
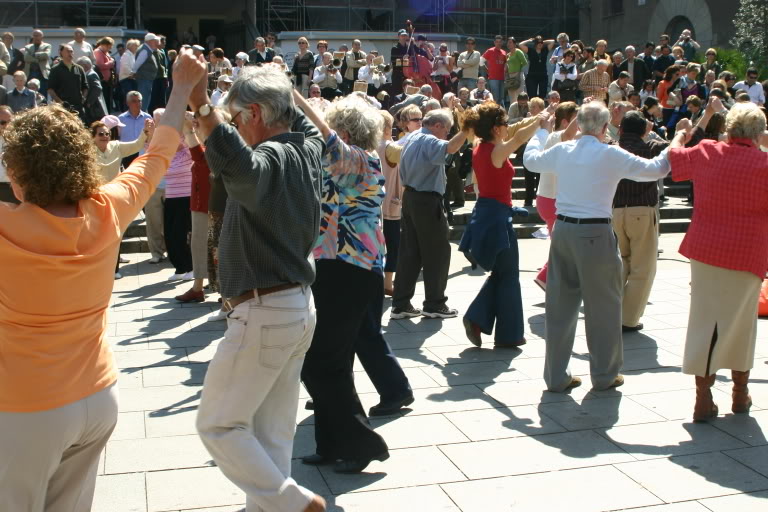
point(349, 256)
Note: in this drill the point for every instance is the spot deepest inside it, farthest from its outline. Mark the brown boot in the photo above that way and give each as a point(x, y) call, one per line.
point(705, 409)
point(741, 399)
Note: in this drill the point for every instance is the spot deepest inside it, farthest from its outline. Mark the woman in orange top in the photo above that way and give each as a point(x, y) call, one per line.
point(669, 84)
point(58, 398)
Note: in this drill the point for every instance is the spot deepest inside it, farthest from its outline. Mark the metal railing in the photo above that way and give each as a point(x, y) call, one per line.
point(55, 13)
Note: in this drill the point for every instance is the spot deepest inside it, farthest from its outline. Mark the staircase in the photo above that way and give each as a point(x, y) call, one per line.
point(675, 216)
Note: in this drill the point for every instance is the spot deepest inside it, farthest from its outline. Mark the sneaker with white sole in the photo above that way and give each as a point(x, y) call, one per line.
point(124, 260)
point(218, 316)
point(118, 275)
point(443, 312)
point(189, 276)
point(407, 312)
point(176, 277)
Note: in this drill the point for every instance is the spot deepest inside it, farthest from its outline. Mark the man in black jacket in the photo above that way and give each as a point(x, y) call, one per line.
point(17, 60)
point(67, 83)
point(260, 53)
point(637, 69)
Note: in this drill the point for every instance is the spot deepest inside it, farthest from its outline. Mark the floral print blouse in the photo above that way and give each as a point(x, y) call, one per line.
point(353, 191)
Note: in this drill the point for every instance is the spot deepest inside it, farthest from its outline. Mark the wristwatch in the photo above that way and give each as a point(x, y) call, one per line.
point(204, 111)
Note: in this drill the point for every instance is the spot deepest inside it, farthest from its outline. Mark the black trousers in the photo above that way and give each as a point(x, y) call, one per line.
point(177, 224)
point(329, 93)
point(531, 178)
point(343, 294)
point(392, 239)
point(376, 356)
point(424, 244)
point(536, 85)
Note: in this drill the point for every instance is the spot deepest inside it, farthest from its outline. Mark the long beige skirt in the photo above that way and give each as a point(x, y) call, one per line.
point(723, 309)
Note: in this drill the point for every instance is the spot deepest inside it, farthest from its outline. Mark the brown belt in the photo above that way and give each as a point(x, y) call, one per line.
point(236, 301)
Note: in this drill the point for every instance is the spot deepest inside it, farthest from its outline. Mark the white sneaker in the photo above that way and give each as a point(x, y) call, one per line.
point(189, 276)
point(124, 260)
point(154, 260)
point(176, 277)
point(118, 275)
point(218, 316)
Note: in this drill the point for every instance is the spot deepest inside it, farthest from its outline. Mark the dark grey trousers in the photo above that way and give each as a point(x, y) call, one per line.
point(423, 244)
point(584, 264)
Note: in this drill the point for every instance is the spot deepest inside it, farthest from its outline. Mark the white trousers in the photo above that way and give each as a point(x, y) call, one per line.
point(247, 415)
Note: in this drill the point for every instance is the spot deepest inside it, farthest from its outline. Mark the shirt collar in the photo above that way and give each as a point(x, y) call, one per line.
point(742, 142)
point(295, 137)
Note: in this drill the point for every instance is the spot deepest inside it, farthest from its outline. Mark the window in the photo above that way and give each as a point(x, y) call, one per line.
point(613, 8)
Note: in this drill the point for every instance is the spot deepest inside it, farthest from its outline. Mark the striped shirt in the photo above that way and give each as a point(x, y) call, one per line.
point(178, 179)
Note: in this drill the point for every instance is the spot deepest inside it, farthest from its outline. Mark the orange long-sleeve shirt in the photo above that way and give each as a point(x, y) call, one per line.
point(57, 278)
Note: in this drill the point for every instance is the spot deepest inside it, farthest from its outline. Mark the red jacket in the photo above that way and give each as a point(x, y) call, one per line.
point(201, 187)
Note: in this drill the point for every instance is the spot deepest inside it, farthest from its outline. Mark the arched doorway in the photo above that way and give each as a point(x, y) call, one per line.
point(676, 26)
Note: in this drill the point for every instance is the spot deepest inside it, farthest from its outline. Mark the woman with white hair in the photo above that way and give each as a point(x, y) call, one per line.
point(241, 60)
point(729, 254)
point(125, 73)
point(349, 257)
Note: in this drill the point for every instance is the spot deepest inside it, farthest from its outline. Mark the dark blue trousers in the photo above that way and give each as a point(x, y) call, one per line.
point(500, 300)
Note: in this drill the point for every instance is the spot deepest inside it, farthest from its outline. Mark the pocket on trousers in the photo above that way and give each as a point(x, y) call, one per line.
point(278, 343)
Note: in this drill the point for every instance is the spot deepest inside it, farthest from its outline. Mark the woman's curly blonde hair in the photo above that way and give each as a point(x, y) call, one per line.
point(51, 156)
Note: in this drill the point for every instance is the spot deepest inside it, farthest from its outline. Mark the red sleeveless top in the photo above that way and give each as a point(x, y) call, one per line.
point(492, 182)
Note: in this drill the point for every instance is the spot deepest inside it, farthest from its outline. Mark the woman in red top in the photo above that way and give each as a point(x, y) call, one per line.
point(728, 251)
point(490, 239)
point(198, 204)
point(106, 66)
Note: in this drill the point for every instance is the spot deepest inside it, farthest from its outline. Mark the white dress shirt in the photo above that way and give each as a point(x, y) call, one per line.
point(755, 91)
point(548, 180)
point(217, 96)
point(126, 65)
point(588, 172)
point(83, 49)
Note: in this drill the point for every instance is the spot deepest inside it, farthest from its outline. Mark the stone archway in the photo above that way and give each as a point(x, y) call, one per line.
point(679, 23)
point(696, 12)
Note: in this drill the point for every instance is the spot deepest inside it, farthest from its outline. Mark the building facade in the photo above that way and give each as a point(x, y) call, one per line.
point(624, 22)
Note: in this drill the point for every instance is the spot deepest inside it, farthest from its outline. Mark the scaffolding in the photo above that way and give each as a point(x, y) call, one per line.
point(480, 18)
point(57, 13)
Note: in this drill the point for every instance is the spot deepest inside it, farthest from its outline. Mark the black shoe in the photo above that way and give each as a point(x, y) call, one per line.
point(457, 204)
point(316, 460)
point(473, 332)
point(310, 405)
point(510, 344)
point(625, 328)
point(407, 312)
point(442, 312)
point(390, 407)
point(357, 465)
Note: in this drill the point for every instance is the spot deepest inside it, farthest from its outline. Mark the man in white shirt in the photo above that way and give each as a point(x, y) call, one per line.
point(81, 47)
point(752, 87)
point(584, 262)
point(469, 62)
point(222, 87)
point(6, 193)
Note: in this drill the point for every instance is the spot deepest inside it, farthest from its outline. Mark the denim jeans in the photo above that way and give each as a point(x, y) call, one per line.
point(469, 83)
point(500, 300)
point(497, 89)
point(247, 415)
point(145, 88)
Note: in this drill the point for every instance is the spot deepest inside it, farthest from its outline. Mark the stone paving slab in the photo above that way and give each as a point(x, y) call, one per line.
point(482, 435)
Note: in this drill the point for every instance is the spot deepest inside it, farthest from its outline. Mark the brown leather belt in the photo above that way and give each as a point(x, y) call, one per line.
point(236, 301)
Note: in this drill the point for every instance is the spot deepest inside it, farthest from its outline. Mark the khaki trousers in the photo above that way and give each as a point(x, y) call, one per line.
point(199, 245)
point(247, 414)
point(153, 211)
point(48, 459)
point(636, 229)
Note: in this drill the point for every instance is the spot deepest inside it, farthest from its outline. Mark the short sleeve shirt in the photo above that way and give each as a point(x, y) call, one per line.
point(422, 162)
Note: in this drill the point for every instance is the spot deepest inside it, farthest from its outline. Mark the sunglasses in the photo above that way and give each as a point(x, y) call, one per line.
point(102, 134)
point(302, 42)
point(415, 119)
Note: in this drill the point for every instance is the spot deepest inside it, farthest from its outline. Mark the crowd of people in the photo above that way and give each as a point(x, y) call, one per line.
point(304, 195)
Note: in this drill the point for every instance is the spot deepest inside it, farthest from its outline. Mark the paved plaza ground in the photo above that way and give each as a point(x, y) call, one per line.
point(482, 435)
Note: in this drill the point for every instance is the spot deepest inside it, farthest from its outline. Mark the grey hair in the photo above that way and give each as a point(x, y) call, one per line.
point(552, 94)
point(34, 82)
point(37, 31)
point(79, 31)
point(360, 120)
point(133, 42)
point(261, 40)
point(425, 89)
point(447, 97)
point(431, 105)
point(630, 48)
point(602, 63)
point(267, 86)
point(134, 94)
point(84, 62)
point(593, 117)
point(243, 57)
point(440, 116)
point(745, 121)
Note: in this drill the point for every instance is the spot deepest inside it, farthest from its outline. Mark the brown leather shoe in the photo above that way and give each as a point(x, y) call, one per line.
point(575, 382)
point(742, 402)
point(191, 296)
point(705, 408)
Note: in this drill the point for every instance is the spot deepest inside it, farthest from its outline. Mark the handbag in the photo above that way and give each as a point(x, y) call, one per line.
point(513, 82)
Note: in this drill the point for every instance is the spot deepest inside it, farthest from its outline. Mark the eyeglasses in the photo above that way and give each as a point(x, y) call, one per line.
point(303, 42)
point(233, 123)
point(102, 134)
point(752, 77)
point(415, 119)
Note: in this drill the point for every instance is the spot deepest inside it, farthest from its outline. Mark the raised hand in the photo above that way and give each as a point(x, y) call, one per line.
point(715, 105)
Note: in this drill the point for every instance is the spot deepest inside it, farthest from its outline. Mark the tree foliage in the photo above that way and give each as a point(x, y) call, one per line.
point(751, 23)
